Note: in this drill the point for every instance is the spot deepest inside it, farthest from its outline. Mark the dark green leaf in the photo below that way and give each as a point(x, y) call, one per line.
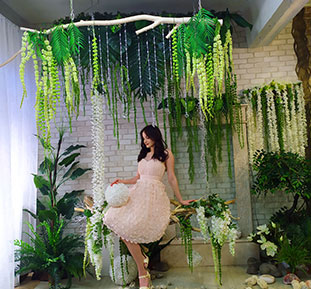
point(78, 172)
point(47, 215)
point(46, 165)
point(67, 203)
point(241, 21)
point(70, 170)
point(87, 213)
point(42, 184)
point(71, 149)
point(68, 160)
point(40, 205)
point(31, 213)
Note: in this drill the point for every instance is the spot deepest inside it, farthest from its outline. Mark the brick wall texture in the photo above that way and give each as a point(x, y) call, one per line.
point(254, 66)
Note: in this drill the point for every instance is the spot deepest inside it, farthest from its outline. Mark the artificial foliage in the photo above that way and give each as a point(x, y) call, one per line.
point(130, 70)
point(49, 250)
point(276, 118)
point(52, 252)
point(287, 237)
point(216, 225)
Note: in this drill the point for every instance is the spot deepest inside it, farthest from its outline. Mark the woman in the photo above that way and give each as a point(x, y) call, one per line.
point(146, 216)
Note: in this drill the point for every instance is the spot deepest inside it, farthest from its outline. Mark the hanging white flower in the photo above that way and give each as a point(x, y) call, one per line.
point(202, 220)
point(301, 120)
point(287, 127)
point(293, 122)
point(220, 227)
point(232, 236)
point(251, 128)
point(98, 179)
point(94, 228)
point(259, 125)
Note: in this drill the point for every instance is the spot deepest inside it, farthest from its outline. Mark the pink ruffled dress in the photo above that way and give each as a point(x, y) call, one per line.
point(146, 215)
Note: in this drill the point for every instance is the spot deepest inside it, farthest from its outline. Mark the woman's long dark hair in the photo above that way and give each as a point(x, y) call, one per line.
point(160, 146)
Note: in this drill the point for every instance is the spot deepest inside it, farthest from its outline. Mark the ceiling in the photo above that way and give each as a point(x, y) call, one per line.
point(34, 12)
point(268, 17)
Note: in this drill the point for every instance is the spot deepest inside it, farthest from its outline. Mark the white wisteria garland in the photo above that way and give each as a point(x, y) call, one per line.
point(95, 237)
point(276, 118)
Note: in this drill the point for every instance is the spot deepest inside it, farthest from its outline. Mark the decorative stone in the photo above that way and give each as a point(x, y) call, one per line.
point(268, 278)
point(162, 286)
point(132, 285)
point(288, 278)
point(296, 284)
point(266, 268)
point(169, 283)
point(262, 284)
point(253, 265)
point(251, 281)
point(128, 277)
point(308, 283)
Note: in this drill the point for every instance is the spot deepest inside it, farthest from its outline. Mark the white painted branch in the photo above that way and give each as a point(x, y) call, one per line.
point(171, 32)
point(156, 19)
point(11, 58)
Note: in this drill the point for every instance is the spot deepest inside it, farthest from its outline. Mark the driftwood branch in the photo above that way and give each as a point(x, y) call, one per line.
point(157, 20)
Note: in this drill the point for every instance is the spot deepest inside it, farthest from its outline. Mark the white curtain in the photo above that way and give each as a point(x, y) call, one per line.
point(18, 151)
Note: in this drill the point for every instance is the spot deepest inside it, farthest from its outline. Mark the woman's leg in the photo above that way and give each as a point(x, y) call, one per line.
point(136, 253)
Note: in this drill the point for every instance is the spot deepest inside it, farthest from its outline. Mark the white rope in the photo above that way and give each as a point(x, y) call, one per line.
point(72, 14)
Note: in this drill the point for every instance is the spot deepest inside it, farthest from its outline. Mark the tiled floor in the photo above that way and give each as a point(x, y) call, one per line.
point(181, 278)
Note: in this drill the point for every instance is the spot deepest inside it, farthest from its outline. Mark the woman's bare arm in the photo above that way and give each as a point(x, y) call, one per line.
point(170, 167)
point(131, 181)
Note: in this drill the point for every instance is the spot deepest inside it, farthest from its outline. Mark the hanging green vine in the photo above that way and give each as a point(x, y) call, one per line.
point(201, 47)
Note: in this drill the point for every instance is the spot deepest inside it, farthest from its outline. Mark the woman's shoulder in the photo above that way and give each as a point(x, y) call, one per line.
point(168, 153)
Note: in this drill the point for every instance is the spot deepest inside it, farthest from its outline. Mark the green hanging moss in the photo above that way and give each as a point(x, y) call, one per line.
point(280, 118)
point(143, 110)
point(264, 116)
point(191, 170)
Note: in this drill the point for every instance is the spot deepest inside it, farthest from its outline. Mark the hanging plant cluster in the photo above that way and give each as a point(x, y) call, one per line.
point(216, 226)
point(190, 72)
point(276, 118)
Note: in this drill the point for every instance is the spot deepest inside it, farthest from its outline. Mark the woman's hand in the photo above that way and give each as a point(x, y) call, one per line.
point(117, 181)
point(186, 202)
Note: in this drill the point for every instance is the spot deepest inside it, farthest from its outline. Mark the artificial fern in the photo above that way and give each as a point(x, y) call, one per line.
point(76, 39)
point(60, 44)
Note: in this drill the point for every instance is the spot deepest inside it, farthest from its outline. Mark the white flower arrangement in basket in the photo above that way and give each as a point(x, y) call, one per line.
point(117, 195)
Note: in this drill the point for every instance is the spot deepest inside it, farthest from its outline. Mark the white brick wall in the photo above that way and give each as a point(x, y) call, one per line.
point(258, 66)
point(254, 66)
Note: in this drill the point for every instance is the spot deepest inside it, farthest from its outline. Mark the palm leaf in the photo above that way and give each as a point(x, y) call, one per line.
point(199, 32)
point(60, 45)
point(76, 39)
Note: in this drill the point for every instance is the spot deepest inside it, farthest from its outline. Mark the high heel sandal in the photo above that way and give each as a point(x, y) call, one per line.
point(146, 260)
point(147, 276)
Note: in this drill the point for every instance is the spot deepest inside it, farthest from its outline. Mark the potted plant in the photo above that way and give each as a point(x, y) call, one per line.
point(49, 250)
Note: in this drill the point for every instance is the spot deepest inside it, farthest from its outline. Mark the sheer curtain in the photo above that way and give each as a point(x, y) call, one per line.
point(18, 151)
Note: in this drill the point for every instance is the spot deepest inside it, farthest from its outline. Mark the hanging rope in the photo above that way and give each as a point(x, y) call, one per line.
point(72, 14)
